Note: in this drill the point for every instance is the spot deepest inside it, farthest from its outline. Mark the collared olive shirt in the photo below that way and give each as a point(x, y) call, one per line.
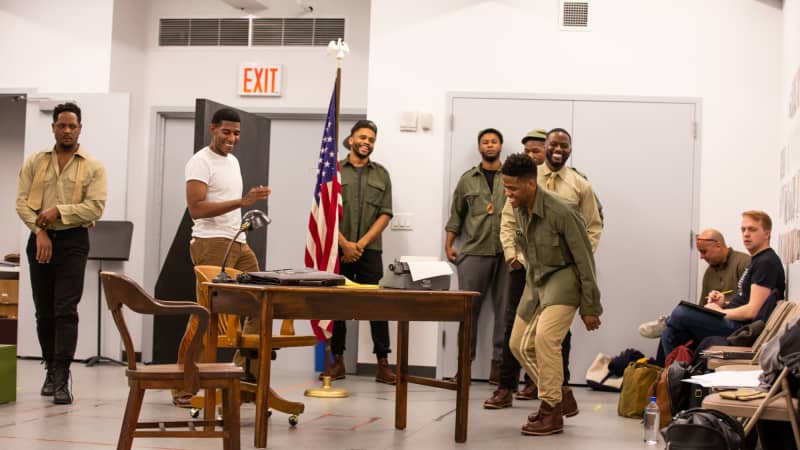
point(58, 190)
point(561, 264)
point(364, 203)
point(575, 189)
point(724, 277)
point(508, 236)
point(475, 211)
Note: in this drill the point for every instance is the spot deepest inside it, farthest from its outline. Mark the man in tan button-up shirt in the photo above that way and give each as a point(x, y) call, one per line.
point(61, 192)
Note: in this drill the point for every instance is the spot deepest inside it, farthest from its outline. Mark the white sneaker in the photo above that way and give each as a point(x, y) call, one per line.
point(653, 329)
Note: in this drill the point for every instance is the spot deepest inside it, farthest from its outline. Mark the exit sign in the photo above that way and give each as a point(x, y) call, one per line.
point(260, 80)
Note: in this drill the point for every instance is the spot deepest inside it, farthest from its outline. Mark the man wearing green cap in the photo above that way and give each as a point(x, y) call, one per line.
point(533, 144)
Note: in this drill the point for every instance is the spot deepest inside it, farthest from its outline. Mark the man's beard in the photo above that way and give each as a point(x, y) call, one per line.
point(358, 153)
point(490, 159)
point(554, 165)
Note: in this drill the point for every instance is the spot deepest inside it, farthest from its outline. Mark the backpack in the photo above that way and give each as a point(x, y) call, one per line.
point(637, 383)
point(681, 353)
point(673, 395)
point(705, 429)
point(596, 199)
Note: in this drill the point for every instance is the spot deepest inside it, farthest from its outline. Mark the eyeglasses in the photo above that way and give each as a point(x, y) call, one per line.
point(706, 239)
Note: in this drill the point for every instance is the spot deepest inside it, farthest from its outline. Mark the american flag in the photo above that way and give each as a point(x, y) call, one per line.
point(322, 242)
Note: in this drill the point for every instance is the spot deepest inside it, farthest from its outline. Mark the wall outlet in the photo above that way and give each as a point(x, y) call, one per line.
point(402, 222)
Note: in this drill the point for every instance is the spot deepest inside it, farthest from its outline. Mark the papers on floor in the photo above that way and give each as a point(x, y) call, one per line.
point(727, 379)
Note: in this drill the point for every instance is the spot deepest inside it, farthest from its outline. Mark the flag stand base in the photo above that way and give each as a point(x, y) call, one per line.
point(326, 391)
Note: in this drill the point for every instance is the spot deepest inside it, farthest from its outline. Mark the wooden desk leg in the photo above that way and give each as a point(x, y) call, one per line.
point(210, 356)
point(264, 358)
point(401, 390)
point(464, 376)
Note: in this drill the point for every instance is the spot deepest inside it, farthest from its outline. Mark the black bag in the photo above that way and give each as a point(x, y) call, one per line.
point(746, 335)
point(292, 277)
point(704, 429)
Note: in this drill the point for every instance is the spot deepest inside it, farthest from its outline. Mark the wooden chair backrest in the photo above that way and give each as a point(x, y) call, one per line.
point(121, 290)
point(229, 325)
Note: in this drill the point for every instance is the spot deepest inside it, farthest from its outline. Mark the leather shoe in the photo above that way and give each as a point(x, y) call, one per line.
point(182, 400)
point(336, 371)
point(49, 387)
point(549, 420)
point(530, 392)
point(384, 373)
point(501, 398)
point(569, 406)
point(62, 394)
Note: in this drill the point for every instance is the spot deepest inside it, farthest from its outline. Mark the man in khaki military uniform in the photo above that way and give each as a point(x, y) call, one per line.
point(561, 277)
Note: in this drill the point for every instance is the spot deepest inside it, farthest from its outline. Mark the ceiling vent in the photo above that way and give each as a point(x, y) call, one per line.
point(206, 32)
point(282, 32)
point(574, 15)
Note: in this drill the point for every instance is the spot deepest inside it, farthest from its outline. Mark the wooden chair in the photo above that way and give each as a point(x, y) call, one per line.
point(231, 336)
point(783, 311)
point(767, 408)
point(189, 376)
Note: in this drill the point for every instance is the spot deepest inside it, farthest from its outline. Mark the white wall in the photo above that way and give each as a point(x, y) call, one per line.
point(12, 140)
point(726, 52)
point(55, 46)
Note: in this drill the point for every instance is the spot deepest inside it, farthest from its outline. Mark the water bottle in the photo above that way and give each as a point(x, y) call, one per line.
point(652, 420)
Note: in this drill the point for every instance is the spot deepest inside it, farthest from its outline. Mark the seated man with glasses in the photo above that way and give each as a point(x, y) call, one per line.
point(725, 267)
point(760, 287)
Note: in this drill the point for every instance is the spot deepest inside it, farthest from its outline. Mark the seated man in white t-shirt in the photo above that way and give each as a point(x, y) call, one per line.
point(214, 198)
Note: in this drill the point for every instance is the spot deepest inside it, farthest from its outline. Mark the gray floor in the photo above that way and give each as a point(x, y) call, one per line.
point(363, 421)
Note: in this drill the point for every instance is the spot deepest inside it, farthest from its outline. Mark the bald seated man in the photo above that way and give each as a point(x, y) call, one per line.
point(725, 268)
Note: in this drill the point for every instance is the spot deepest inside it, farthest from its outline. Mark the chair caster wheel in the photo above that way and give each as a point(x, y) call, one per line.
point(293, 419)
point(194, 412)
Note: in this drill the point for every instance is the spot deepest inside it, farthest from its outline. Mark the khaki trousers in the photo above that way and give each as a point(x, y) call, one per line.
point(537, 347)
point(210, 252)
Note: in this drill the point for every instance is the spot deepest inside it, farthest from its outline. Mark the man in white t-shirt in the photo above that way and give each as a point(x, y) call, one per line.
point(214, 198)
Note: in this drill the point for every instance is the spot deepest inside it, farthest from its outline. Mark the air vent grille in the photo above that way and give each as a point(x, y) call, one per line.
point(574, 15)
point(287, 32)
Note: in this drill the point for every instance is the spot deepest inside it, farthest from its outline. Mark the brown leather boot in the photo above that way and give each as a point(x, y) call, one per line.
point(530, 392)
point(336, 371)
point(569, 406)
point(501, 398)
point(384, 373)
point(549, 420)
point(494, 373)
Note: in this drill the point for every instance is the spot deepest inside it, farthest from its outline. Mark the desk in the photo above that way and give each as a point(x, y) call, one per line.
point(402, 306)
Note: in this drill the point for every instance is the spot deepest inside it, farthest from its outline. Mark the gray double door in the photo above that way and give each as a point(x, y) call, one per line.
point(642, 158)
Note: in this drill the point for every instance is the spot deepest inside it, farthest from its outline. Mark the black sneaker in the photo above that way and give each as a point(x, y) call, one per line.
point(63, 382)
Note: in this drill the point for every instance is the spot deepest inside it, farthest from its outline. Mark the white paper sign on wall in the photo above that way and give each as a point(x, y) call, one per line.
point(260, 80)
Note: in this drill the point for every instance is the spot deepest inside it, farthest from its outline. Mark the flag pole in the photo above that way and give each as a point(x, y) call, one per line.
point(341, 48)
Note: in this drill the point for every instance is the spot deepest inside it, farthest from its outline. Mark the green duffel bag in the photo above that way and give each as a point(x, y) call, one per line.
point(637, 387)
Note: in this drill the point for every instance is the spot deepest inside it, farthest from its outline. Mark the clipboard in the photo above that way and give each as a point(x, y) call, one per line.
point(703, 309)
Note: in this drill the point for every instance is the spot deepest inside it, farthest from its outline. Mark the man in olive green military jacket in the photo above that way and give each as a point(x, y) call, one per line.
point(561, 274)
point(475, 213)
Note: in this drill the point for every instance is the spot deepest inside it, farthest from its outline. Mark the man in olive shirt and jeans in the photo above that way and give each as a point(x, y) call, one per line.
point(475, 212)
point(61, 193)
point(561, 276)
point(367, 202)
point(725, 267)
